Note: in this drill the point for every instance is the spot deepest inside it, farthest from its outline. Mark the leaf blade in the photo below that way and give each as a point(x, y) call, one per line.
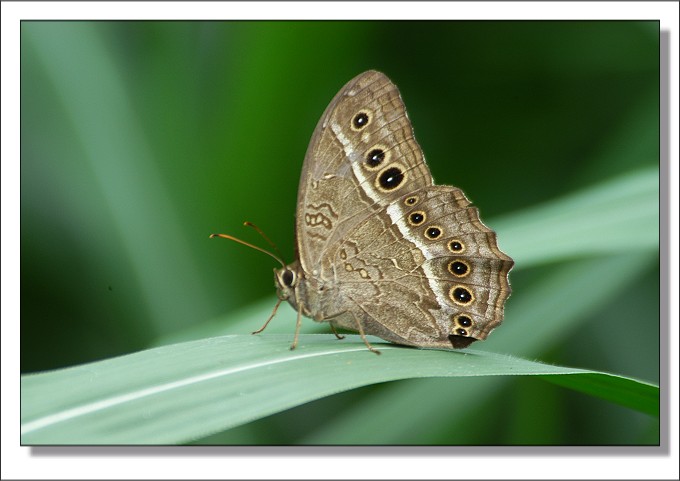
point(102, 403)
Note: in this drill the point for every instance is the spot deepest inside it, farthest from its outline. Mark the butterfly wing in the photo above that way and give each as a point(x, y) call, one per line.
point(408, 260)
point(361, 157)
point(425, 272)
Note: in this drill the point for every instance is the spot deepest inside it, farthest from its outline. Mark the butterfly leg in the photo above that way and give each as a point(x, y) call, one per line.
point(298, 323)
point(363, 336)
point(339, 336)
point(278, 303)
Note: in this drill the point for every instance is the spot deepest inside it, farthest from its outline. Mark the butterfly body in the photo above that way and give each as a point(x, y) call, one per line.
point(380, 249)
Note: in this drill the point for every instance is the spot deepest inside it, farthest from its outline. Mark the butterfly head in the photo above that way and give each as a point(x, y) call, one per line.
point(286, 281)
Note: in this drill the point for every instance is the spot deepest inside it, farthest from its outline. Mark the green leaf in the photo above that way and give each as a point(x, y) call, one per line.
point(74, 56)
point(612, 217)
point(644, 398)
point(180, 392)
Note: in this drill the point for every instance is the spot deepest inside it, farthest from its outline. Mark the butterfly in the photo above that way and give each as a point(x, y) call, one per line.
point(380, 249)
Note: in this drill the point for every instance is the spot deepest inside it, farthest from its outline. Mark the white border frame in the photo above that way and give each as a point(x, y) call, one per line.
point(305, 463)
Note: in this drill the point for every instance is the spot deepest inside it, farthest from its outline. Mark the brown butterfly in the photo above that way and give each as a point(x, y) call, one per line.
point(380, 249)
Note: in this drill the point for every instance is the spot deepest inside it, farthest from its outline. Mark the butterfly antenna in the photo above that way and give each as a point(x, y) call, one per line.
point(269, 241)
point(226, 236)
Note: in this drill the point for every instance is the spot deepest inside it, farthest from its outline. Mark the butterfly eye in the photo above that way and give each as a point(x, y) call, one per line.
point(413, 200)
point(375, 157)
point(459, 268)
point(460, 322)
point(360, 120)
point(433, 232)
point(456, 246)
point(416, 218)
point(288, 278)
point(463, 320)
point(461, 295)
point(390, 179)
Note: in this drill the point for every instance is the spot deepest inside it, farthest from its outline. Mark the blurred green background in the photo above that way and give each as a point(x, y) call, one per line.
point(139, 139)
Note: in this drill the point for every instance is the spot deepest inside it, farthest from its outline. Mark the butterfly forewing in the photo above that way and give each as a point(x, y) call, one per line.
point(361, 157)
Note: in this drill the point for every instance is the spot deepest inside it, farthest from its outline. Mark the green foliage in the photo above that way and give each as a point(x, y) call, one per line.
point(179, 392)
point(141, 138)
